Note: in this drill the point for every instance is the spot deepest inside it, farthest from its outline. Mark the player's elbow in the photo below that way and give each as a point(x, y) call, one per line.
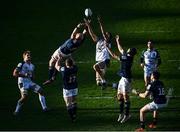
point(15, 74)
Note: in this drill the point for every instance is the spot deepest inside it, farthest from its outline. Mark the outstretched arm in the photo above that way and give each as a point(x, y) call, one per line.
point(119, 45)
point(112, 54)
point(76, 30)
point(101, 27)
point(92, 34)
point(142, 95)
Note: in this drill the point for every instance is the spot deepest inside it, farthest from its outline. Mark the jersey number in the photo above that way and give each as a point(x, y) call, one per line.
point(161, 91)
point(72, 79)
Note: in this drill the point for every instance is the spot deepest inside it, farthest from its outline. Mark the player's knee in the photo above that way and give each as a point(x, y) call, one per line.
point(142, 110)
point(96, 67)
point(120, 97)
point(23, 98)
point(41, 92)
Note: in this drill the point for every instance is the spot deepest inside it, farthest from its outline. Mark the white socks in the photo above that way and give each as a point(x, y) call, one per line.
point(18, 107)
point(42, 101)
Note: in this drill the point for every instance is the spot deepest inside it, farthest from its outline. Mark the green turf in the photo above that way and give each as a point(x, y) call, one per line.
point(42, 26)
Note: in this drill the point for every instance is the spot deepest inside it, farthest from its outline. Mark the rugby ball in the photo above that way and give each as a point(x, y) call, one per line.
point(88, 12)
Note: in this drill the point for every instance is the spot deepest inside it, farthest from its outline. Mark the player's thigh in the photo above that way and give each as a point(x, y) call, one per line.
point(147, 72)
point(36, 88)
point(23, 87)
point(124, 86)
point(69, 95)
point(101, 64)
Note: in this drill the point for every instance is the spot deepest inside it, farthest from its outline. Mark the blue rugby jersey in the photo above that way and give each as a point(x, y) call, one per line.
point(158, 92)
point(126, 64)
point(69, 76)
point(69, 46)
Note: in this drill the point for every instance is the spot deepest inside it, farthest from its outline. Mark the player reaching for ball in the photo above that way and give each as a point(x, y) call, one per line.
point(65, 50)
point(102, 54)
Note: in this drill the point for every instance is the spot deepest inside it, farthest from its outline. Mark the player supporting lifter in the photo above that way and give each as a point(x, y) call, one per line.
point(70, 85)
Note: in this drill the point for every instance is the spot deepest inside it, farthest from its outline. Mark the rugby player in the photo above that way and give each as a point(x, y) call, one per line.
point(102, 55)
point(124, 86)
point(150, 60)
point(65, 50)
point(156, 88)
point(25, 74)
point(70, 85)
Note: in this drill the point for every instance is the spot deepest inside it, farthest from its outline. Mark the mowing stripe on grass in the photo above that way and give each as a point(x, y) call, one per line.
point(169, 95)
point(87, 62)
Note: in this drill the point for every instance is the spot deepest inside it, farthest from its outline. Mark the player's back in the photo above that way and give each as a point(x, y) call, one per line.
point(158, 92)
point(70, 77)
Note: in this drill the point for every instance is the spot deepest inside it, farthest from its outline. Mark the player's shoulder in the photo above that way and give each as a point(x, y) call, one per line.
point(20, 64)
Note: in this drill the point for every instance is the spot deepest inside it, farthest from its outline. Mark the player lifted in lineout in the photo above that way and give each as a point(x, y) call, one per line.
point(65, 50)
point(25, 73)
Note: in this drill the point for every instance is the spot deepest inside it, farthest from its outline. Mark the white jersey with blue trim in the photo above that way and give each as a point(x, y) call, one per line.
point(150, 58)
point(25, 68)
point(102, 53)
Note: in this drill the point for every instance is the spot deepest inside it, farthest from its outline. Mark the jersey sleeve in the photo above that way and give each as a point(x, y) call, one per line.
point(19, 66)
point(149, 87)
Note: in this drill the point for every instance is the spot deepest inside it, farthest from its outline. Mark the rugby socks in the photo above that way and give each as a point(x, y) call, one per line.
point(154, 121)
point(142, 124)
point(74, 109)
point(42, 101)
point(51, 72)
point(70, 111)
point(127, 107)
point(18, 106)
point(121, 106)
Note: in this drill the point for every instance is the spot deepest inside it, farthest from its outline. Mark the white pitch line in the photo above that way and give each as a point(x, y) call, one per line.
point(173, 60)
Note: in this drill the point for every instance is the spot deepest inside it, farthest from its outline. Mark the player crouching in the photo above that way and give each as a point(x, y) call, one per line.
point(156, 87)
point(70, 85)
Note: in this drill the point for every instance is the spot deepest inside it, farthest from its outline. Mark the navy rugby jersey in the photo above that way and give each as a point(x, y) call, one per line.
point(69, 76)
point(157, 90)
point(69, 46)
point(126, 64)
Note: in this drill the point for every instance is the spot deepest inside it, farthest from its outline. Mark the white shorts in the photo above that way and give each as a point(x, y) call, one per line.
point(24, 87)
point(149, 70)
point(153, 106)
point(124, 86)
point(70, 93)
point(58, 54)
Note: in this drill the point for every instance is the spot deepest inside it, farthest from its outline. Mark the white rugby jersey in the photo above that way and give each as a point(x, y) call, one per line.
point(101, 51)
point(150, 57)
point(24, 68)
